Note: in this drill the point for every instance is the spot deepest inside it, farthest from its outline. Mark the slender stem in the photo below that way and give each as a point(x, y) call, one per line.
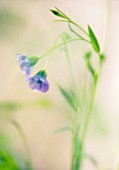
point(84, 89)
point(52, 49)
point(65, 16)
point(48, 58)
point(71, 21)
point(77, 33)
point(94, 89)
point(82, 141)
point(75, 148)
point(89, 113)
point(23, 137)
point(79, 27)
point(69, 62)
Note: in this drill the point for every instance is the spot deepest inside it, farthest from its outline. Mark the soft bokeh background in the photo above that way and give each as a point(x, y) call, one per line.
point(27, 27)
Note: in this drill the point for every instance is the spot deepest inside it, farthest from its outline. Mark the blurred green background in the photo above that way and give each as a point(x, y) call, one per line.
point(27, 27)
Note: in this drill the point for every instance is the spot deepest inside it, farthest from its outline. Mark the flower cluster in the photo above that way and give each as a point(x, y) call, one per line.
point(38, 82)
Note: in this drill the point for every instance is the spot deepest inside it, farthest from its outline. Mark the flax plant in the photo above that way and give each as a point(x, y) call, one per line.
point(39, 82)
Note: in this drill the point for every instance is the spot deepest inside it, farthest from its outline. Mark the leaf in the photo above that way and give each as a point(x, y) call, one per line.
point(66, 128)
point(9, 159)
point(91, 69)
point(93, 40)
point(57, 13)
point(91, 158)
point(87, 57)
point(71, 98)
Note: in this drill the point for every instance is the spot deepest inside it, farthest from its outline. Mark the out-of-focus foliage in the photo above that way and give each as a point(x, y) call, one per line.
point(9, 160)
point(70, 97)
point(10, 106)
point(10, 23)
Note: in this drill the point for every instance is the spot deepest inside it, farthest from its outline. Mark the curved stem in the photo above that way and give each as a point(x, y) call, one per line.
point(69, 62)
point(71, 21)
point(22, 135)
point(48, 58)
point(52, 49)
point(79, 27)
point(77, 34)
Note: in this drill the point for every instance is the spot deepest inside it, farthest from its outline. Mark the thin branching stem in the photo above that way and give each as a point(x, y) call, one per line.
point(71, 21)
point(69, 63)
point(57, 46)
point(71, 29)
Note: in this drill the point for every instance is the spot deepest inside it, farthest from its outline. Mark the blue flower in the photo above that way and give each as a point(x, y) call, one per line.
point(39, 82)
point(26, 63)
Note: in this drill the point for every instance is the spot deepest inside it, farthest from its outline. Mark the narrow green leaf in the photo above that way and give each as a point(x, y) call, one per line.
point(57, 13)
point(9, 158)
point(66, 128)
point(91, 158)
point(93, 40)
point(71, 99)
point(91, 69)
point(87, 57)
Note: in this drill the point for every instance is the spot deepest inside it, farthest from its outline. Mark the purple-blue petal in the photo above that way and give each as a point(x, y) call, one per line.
point(33, 84)
point(39, 84)
point(21, 57)
point(44, 85)
point(24, 63)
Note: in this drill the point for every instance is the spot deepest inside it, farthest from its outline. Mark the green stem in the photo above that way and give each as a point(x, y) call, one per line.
point(84, 89)
point(89, 113)
point(23, 137)
point(75, 149)
point(52, 49)
point(69, 63)
point(88, 118)
point(77, 34)
point(71, 21)
point(79, 27)
point(48, 58)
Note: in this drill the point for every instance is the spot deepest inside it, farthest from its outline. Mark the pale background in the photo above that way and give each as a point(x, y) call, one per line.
point(30, 30)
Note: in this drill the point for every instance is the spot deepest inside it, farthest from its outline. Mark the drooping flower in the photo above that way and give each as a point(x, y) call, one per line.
point(26, 63)
point(39, 82)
